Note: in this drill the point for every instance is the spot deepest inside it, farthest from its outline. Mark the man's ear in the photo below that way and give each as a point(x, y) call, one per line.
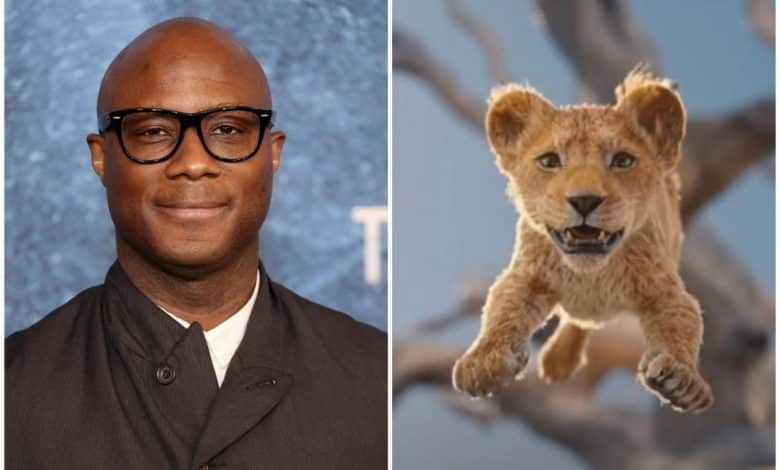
point(96, 145)
point(277, 142)
point(512, 111)
point(656, 111)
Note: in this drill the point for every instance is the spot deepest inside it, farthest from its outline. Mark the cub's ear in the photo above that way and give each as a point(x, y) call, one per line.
point(512, 111)
point(657, 112)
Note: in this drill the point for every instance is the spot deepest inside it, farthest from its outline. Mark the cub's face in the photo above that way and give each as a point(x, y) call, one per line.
point(586, 177)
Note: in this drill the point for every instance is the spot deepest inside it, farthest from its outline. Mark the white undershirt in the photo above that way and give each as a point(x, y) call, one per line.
point(223, 339)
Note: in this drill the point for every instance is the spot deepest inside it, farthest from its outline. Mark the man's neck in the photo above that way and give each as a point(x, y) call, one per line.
point(208, 297)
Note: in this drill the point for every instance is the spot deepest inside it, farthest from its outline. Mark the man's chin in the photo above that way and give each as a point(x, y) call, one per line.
point(192, 257)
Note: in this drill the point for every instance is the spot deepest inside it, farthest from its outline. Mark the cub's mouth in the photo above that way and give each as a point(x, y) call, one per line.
point(585, 239)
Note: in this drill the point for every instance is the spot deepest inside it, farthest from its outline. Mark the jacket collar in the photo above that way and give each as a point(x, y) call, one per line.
point(148, 331)
point(136, 321)
point(267, 332)
point(255, 381)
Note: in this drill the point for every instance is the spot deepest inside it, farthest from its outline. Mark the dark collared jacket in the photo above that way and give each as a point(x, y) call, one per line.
point(109, 381)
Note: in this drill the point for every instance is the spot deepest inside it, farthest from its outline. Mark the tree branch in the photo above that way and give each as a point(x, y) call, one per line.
point(410, 55)
point(725, 275)
point(485, 38)
point(422, 363)
point(762, 17)
point(717, 151)
point(607, 437)
point(600, 39)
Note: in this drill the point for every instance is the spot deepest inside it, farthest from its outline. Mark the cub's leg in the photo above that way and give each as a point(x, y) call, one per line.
point(563, 352)
point(672, 324)
point(516, 305)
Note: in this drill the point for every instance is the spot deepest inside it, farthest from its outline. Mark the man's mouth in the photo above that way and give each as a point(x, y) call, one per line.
point(193, 210)
point(584, 239)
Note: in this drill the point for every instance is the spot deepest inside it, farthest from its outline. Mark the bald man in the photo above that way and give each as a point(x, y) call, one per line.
point(189, 356)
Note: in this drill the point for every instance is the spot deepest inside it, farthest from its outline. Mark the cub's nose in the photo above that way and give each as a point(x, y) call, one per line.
point(585, 204)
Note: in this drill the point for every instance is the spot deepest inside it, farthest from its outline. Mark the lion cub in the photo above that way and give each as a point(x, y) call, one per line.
point(600, 234)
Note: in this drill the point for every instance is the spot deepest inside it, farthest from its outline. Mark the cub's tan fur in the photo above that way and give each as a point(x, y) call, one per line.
point(638, 274)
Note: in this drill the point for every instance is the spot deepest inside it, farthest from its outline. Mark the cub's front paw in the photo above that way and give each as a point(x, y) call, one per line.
point(674, 382)
point(487, 367)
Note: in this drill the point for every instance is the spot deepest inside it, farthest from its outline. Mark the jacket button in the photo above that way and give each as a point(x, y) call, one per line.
point(165, 374)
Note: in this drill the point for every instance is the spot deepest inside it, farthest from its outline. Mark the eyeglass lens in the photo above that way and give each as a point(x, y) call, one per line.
point(152, 135)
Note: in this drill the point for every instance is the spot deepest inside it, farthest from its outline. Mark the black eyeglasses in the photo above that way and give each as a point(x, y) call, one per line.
point(152, 135)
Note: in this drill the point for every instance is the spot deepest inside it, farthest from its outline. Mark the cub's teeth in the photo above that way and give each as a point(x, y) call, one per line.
point(602, 236)
point(569, 236)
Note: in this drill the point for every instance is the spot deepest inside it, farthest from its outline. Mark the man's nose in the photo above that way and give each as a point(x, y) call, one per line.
point(585, 204)
point(191, 159)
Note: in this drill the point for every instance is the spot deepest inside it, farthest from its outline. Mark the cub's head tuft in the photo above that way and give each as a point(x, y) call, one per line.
point(586, 176)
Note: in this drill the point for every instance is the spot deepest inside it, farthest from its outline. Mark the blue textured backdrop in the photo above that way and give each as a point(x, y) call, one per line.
point(327, 66)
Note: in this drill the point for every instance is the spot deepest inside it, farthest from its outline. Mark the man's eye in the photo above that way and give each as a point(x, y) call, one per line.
point(226, 130)
point(549, 161)
point(622, 161)
point(153, 132)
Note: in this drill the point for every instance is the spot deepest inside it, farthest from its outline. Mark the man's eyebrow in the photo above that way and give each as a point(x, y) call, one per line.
point(228, 105)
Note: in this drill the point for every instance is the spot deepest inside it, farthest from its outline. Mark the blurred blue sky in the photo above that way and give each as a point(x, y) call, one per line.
point(452, 220)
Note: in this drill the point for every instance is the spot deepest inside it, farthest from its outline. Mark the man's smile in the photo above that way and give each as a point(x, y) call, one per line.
point(193, 210)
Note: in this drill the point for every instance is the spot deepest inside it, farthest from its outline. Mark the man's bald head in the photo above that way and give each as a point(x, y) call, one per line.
point(177, 41)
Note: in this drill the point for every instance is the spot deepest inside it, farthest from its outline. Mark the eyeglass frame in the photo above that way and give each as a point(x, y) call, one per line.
point(113, 120)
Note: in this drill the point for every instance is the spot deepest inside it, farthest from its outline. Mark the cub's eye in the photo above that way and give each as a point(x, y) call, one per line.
point(549, 161)
point(622, 161)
